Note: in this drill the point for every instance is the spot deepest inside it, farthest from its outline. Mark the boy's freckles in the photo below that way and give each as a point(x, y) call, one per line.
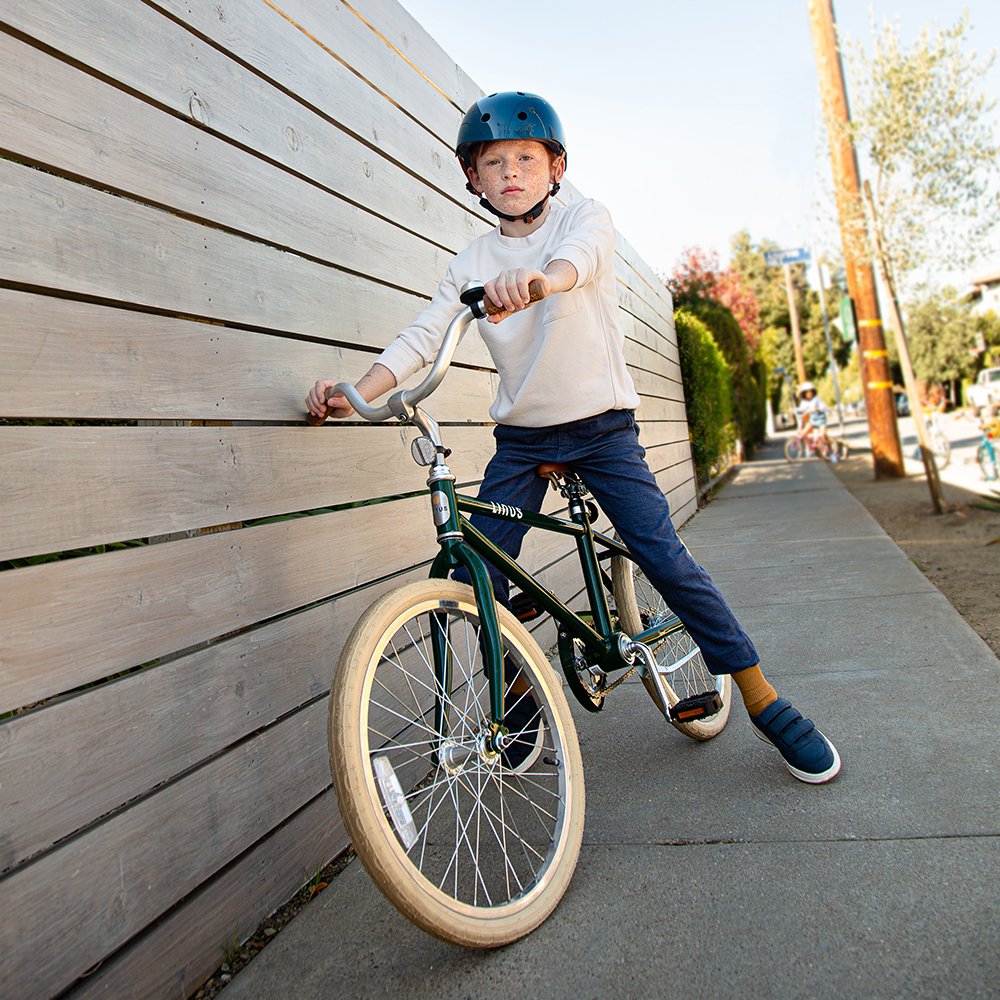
point(509, 170)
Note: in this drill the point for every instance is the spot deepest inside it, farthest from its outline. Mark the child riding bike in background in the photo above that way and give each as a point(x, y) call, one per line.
point(813, 416)
point(565, 392)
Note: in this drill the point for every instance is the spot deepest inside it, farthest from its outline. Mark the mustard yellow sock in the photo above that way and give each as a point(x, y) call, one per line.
point(757, 692)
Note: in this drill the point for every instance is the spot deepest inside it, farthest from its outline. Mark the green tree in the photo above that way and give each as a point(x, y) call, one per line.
point(746, 258)
point(925, 128)
point(768, 284)
point(944, 332)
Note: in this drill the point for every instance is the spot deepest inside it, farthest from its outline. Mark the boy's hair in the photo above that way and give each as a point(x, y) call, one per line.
point(473, 151)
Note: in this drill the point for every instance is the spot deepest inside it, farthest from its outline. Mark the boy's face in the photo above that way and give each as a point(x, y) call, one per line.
point(515, 174)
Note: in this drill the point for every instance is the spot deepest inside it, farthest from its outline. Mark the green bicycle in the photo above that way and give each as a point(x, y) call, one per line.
point(452, 748)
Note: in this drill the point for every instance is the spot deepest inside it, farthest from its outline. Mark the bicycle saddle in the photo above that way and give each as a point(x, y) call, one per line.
point(549, 470)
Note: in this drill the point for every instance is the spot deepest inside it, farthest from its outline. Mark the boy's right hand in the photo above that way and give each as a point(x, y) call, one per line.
point(321, 407)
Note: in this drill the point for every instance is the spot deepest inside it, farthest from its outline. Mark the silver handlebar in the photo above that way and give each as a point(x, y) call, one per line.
point(403, 403)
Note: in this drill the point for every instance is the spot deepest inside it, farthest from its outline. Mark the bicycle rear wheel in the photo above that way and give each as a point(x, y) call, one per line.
point(987, 459)
point(471, 847)
point(640, 606)
point(942, 449)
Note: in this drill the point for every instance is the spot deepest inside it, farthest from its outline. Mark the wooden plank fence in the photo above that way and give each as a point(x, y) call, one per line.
point(205, 207)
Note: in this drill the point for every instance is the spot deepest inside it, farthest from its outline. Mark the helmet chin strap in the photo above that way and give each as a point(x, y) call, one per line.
point(529, 216)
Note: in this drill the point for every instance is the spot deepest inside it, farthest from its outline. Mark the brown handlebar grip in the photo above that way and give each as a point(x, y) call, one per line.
point(535, 292)
point(319, 421)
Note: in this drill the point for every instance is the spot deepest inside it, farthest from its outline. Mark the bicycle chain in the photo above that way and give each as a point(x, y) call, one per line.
point(602, 693)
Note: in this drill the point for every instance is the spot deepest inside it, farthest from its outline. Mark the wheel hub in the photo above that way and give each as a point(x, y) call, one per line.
point(455, 756)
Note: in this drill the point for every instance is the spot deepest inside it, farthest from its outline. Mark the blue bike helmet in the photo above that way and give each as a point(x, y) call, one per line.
point(510, 114)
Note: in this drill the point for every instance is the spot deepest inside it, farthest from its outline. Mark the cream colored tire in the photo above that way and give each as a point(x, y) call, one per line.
point(639, 606)
point(472, 851)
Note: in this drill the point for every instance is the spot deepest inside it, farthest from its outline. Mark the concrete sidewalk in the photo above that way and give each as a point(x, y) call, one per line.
point(707, 870)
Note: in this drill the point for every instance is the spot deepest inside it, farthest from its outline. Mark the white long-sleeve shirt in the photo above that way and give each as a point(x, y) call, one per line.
point(559, 360)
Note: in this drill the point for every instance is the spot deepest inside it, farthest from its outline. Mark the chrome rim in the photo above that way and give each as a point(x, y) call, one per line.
point(481, 833)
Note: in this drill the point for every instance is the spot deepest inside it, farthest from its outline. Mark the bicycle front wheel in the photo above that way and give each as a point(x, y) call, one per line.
point(640, 606)
point(794, 449)
point(476, 847)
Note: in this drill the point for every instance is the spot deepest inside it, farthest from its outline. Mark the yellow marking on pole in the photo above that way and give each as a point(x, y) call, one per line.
point(869, 322)
point(879, 385)
point(875, 354)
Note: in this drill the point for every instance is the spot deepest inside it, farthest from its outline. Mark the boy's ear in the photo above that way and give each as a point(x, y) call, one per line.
point(558, 168)
point(473, 176)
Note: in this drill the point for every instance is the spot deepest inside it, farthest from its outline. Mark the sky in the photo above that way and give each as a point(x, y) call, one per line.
point(690, 121)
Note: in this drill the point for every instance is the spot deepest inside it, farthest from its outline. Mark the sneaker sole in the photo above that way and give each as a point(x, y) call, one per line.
point(807, 776)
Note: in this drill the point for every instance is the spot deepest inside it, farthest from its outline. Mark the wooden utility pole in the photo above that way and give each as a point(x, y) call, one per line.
point(906, 364)
point(875, 375)
point(793, 312)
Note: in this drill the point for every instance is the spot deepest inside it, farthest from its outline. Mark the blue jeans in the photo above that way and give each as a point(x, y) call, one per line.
point(605, 452)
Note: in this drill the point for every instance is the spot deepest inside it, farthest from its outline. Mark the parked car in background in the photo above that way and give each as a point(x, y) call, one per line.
point(984, 395)
point(902, 405)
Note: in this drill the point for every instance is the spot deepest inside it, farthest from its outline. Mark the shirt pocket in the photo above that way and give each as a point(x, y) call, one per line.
point(560, 306)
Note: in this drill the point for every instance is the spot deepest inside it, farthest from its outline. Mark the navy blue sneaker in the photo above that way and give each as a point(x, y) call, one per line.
point(809, 755)
point(523, 718)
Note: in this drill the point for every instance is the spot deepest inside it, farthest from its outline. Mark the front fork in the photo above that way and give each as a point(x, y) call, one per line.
point(455, 552)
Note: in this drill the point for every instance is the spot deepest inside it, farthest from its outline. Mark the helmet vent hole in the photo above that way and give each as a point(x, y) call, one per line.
point(520, 93)
point(522, 115)
point(486, 117)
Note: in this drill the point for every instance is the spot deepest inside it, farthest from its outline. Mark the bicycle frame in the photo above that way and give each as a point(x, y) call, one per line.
point(462, 545)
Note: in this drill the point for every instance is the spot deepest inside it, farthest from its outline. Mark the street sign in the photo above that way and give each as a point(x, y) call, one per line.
point(797, 255)
point(848, 319)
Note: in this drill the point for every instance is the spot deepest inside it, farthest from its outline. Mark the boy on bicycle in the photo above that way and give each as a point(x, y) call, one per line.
point(565, 393)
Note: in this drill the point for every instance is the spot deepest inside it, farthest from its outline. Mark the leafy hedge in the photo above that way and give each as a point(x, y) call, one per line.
point(708, 391)
point(748, 391)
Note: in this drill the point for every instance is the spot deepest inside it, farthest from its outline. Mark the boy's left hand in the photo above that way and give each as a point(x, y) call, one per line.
point(509, 290)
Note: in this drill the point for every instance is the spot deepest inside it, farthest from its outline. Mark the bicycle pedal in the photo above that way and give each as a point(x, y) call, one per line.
point(525, 608)
point(698, 706)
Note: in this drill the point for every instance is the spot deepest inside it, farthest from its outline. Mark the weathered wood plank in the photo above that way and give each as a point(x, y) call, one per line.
point(175, 956)
point(655, 435)
point(406, 35)
point(123, 483)
point(70, 623)
point(662, 337)
point(122, 364)
point(643, 356)
point(74, 239)
point(339, 29)
point(76, 123)
point(673, 455)
point(294, 61)
point(102, 888)
point(650, 384)
point(155, 57)
point(129, 736)
point(655, 408)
